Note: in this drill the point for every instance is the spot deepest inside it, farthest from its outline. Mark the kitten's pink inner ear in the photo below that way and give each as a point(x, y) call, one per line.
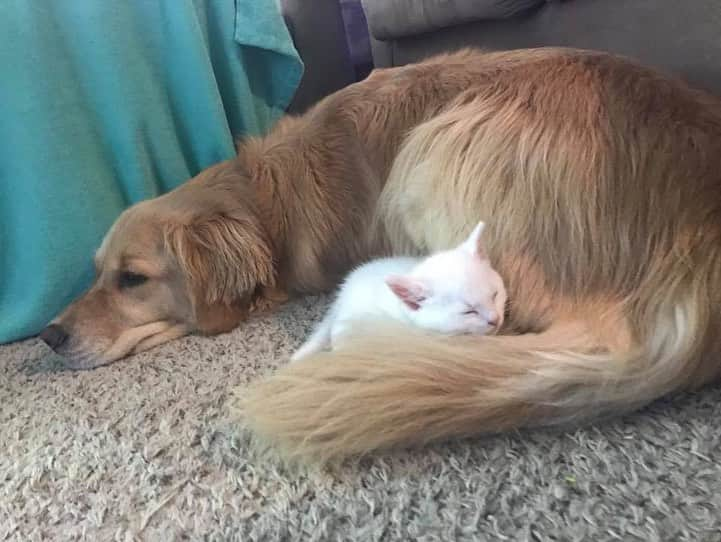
point(408, 290)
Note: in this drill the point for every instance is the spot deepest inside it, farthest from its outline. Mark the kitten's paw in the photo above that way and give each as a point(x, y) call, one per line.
point(302, 353)
point(297, 356)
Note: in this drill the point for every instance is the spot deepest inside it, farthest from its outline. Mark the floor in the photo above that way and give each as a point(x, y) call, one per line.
point(142, 450)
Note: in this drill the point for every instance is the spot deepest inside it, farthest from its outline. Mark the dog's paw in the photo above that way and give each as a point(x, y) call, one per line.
point(268, 299)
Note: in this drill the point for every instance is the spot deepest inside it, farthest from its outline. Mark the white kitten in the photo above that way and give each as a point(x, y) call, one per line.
point(452, 292)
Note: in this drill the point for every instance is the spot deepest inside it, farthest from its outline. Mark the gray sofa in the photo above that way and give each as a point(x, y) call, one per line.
point(678, 36)
point(316, 27)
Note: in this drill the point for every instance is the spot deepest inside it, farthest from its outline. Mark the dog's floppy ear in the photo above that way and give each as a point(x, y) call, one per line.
point(226, 261)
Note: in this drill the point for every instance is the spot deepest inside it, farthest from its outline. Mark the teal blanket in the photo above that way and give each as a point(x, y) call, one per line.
point(103, 104)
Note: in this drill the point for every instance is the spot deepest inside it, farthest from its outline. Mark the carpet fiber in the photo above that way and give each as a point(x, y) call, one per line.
point(143, 450)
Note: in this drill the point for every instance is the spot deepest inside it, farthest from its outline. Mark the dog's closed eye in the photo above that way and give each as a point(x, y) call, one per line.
point(128, 279)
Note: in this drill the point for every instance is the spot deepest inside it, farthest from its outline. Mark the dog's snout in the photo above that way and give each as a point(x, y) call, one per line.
point(54, 336)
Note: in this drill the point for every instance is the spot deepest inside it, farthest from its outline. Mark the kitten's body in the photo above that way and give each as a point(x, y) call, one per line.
point(454, 291)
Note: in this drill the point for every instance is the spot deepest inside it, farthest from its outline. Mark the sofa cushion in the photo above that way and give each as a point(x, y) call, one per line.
point(391, 19)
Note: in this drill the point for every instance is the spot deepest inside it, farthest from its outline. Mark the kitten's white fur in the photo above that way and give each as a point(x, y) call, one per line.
point(454, 291)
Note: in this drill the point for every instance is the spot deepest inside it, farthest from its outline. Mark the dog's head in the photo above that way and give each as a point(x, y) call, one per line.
point(192, 260)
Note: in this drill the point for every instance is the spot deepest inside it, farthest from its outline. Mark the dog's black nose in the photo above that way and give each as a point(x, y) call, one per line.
point(54, 336)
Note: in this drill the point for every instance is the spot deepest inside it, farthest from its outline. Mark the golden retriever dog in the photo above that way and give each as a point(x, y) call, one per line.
point(291, 214)
point(600, 182)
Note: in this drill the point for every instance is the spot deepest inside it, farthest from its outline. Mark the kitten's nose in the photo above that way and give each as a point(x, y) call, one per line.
point(492, 318)
point(54, 336)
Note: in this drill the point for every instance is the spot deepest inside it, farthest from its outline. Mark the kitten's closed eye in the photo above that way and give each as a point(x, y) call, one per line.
point(487, 314)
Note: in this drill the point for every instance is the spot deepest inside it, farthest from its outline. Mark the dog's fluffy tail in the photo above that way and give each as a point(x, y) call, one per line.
point(398, 387)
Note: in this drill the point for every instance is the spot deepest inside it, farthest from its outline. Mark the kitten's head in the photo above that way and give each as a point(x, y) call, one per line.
point(456, 291)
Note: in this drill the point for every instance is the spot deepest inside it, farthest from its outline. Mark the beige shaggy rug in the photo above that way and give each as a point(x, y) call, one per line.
point(143, 450)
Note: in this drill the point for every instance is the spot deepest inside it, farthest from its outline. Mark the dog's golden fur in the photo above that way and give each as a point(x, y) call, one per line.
point(599, 180)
